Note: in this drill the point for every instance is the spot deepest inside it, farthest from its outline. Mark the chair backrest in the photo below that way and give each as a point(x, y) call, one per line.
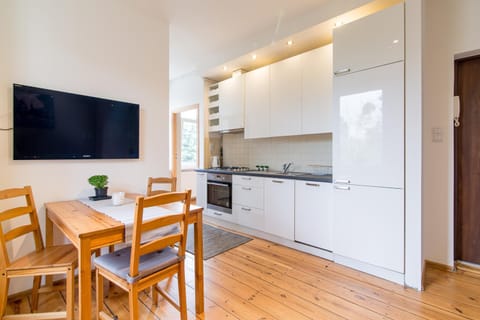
point(139, 226)
point(31, 226)
point(171, 181)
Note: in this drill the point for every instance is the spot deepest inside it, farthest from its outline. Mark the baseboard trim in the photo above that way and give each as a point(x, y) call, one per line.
point(468, 268)
point(439, 266)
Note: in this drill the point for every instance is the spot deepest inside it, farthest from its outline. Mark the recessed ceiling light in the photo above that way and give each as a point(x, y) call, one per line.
point(224, 68)
point(338, 24)
point(289, 42)
point(395, 41)
point(254, 56)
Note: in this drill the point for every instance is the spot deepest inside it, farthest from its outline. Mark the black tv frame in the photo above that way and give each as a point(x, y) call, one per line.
point(57, 125)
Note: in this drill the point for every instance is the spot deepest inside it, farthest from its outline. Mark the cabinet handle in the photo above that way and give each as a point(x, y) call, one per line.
point(246, 209)
point(245, 178)
point(216, 213)
point(342, 181)
point(342, 187)
point(342, 71)
point(277, 181)
point(248, 189)
point(312, 184)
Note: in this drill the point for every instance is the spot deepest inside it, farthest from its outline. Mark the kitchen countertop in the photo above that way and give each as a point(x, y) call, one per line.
point(275, 174)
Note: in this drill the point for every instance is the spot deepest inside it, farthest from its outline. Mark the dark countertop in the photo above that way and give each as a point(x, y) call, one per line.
point(274, 174)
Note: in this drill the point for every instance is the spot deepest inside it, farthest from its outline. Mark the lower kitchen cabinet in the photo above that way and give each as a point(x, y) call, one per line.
point(250, 217)
point(201, 189)
point(279, 207)
point(230, 217)
point(313, 213)
point(369, 225)
point(248, 201)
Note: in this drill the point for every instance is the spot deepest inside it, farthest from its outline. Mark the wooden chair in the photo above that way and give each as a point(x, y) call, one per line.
point(171, 181)
point(144, 265)
point(60, 259)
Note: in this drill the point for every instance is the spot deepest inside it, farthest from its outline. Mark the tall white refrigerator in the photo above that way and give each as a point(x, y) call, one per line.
point(368, 167)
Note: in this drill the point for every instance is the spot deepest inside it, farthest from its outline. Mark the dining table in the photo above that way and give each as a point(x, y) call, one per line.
point(90, 230)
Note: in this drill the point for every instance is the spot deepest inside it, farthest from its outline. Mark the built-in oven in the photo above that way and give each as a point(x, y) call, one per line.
point(219, 192)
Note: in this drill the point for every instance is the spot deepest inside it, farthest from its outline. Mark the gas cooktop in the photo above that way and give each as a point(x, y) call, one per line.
point(232, 169)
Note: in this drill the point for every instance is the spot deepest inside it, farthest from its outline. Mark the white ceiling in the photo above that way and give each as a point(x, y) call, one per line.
point(205, 35)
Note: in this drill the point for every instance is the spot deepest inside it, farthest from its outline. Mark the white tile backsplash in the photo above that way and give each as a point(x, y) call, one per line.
point(309, 153)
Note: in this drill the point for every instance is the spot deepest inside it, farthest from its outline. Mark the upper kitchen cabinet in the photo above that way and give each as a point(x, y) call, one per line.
point(317, 90)
point(285, 97)
point(369, 42)
point(257, 103)
point(231, 103)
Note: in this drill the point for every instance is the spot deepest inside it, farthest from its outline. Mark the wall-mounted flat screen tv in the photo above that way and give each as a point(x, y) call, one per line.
point(50, 124)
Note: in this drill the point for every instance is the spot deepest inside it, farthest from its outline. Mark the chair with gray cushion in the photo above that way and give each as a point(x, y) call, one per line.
point(144, 265)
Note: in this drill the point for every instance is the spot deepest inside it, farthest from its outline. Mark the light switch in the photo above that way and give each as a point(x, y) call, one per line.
point(437, 135)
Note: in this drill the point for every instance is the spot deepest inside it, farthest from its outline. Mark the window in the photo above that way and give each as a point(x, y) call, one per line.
point(189, 139)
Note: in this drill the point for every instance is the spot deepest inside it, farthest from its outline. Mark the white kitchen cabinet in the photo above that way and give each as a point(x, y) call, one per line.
point(369, 225)
point(248, 201)
point(368, 141)
point(317, 80)
point(231, 103)
point(313, 213)
point(285, 97)
point(279, 207)
point(230, 217)
point(257, 103)
point(202, 189)
point(375, 40)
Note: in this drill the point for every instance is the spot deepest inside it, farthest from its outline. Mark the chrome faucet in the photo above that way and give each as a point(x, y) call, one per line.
point(286, 166)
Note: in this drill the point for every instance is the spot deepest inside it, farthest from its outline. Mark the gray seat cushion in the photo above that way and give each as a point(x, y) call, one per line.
point(118, 262)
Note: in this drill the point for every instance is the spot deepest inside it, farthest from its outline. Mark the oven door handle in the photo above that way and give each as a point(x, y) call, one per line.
point(218, 184)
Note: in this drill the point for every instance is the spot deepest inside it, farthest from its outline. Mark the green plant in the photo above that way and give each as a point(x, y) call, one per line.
point(98, 181)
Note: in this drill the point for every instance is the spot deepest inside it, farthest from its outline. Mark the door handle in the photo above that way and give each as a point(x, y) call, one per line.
point(346, 181)
point(342, 187)
point(245, 178)
point(246, 209)
point(247, 189)
point(277, 181)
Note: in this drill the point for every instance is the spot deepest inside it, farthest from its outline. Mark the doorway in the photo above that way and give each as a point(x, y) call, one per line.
point(185, 147)
point(467, 161)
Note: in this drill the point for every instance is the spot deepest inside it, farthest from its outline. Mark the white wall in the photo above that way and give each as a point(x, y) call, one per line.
point(452, 27)
point(414, 34)
point(108, 49)
point(186, 91)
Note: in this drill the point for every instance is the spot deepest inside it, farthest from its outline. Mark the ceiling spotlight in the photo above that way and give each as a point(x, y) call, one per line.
point(289, 43)
point(254, 56)
point(224, 68)
point(338, 24)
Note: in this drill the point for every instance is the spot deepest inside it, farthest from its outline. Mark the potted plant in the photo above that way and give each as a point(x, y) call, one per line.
point(100, 183)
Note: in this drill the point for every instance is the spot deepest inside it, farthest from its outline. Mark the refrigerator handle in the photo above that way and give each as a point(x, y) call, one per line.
point(342, 187)
point(341, 71)
point(346, 181)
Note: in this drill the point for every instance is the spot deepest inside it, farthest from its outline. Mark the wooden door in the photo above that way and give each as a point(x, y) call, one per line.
point(467, 161)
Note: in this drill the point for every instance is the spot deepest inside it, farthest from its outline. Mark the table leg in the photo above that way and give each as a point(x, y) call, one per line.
point(48, 243)
point(199, 288)
point(84, 280)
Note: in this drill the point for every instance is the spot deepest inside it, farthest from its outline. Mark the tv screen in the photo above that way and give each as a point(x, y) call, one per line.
point(50, 124)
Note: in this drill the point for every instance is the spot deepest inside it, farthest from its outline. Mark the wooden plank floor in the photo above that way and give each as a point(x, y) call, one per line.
point(262, 280)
